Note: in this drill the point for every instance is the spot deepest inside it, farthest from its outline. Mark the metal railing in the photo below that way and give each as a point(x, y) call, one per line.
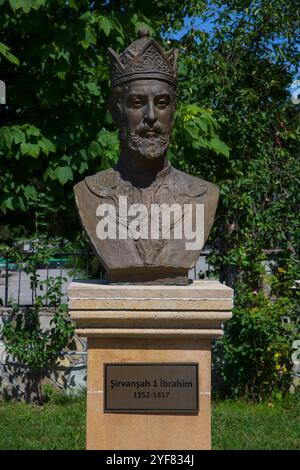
point(14, 279)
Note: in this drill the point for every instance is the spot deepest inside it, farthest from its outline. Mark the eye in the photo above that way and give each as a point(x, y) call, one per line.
point(162, 103)
point(136, 102)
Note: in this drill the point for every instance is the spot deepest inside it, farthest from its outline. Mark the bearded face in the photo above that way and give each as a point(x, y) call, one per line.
point(145, 117)
point(148, 142)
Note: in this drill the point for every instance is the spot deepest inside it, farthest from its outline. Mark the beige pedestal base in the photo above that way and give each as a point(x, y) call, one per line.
point(149, 324)
point(147, 431)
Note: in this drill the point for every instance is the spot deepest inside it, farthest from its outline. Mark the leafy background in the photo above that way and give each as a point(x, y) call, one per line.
point(235, 125)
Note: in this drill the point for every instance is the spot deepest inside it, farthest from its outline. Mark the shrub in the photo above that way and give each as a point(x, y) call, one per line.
point(24, 337)
point(254, 356)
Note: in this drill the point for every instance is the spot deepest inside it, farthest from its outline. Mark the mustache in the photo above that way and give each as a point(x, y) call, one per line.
point(143, 128)
point(137, 139)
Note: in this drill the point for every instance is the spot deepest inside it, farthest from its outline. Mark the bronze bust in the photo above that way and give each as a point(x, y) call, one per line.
point(143, 105)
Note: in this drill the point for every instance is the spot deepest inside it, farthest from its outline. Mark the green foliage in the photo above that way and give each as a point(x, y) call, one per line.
point(233, 94)
point(256, 348)
point(4, 50)
point(195, 129)
point(23, 335)
point(26, 341)
point(242, 71)
point(57, 130)
point(235, 126)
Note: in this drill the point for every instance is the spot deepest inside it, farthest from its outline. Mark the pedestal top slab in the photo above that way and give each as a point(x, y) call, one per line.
point(109, 310)
point(101, 289)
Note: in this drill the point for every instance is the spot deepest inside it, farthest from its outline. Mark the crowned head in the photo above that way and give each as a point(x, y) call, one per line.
point(143, 81)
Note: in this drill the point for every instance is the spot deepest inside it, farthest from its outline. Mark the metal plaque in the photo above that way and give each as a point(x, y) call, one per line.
point(151, 387)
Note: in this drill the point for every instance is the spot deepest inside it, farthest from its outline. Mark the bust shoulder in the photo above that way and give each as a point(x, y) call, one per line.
point(100, 183)
point(193, 186)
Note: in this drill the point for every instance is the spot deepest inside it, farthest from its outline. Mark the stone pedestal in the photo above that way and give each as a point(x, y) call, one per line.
point(148, 324)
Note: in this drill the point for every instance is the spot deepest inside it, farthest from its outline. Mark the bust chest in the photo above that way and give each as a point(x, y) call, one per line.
point(154, 226)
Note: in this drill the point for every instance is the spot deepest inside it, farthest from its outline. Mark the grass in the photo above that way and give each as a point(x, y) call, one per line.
point(245, 426)
point(60, 424)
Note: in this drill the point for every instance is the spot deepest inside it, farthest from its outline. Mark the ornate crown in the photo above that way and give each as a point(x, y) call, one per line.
point(142, 59)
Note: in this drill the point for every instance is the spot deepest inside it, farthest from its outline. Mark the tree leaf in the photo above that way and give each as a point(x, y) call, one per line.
point(26, 5)
point(33, 150)
point(7, 204)
point(4, 50)
point(219, 147)
point(94, 149)
point(6, 137)
point(30, 193)
point(105, 24)
point(63, 174)
point(18, 135)
point(46, 145)
point(93, 88)
point(88, 37)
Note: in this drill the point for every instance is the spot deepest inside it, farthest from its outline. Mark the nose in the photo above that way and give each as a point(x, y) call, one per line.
point(150, 115)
